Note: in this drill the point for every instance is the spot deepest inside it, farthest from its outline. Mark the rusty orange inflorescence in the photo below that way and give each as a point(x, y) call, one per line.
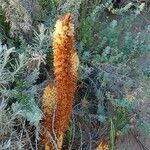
point(65, 71)
point(103, 145)
point(48, 105)
point(61, 94)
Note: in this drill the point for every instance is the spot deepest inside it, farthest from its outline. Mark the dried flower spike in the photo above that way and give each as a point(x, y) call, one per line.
point(65, 71)
point(48, 105)
point(103, 145)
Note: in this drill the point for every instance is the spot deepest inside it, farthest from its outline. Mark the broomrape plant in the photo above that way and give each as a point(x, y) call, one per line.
point(65, 71)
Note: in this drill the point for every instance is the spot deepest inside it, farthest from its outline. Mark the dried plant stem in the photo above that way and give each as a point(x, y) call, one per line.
point(60, 141)
point(47, 147)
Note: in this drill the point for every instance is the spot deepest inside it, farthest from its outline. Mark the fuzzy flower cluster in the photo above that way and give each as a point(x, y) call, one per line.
point(48, 105)
point(103, 145)
point(65, 63)
point(65, 68)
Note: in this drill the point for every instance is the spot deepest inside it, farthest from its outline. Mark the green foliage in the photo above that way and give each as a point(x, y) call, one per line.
point(17, 16)
point(4, 27)
point(115, 40)
point(17, 96)
point(47, 3)
point(108, 52)
point(123, 110)
point(112, 135)
point(70, 132)
point(144, 127)
point(42, 39)
point(24, 91)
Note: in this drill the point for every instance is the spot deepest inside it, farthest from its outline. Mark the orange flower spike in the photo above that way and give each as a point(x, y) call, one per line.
point(65, 71)
point(103, 145)
point(48, 105)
